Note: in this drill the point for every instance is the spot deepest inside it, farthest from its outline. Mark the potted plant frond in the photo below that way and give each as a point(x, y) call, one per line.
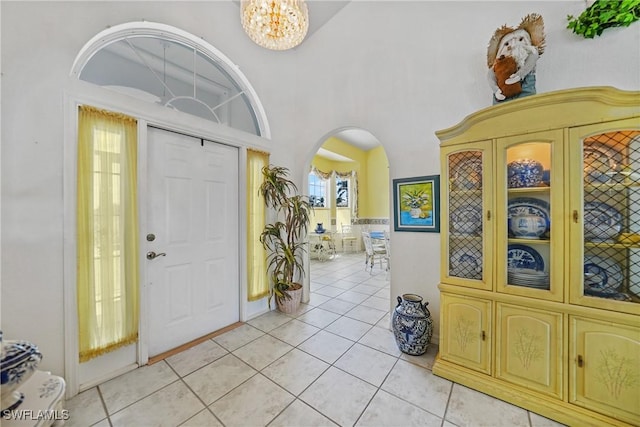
point(283, 238)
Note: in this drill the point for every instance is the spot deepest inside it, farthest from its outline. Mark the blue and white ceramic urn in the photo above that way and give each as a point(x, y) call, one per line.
point(524, 173)
point(18, 363)
point(412, 325)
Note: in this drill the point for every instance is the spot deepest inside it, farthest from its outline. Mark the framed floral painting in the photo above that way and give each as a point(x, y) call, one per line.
point(416, 204)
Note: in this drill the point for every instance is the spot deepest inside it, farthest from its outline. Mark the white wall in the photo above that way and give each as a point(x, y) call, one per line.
point(396, 69)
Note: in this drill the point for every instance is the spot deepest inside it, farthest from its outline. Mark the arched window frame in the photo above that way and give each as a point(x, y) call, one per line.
point(154, 29)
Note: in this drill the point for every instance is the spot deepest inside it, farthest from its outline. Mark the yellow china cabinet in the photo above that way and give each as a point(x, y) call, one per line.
point(540, 271)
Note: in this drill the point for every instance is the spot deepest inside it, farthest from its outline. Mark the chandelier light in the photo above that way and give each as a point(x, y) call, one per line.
point(275, 24)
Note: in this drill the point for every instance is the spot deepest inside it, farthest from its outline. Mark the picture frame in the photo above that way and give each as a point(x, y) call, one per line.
point(416, 204)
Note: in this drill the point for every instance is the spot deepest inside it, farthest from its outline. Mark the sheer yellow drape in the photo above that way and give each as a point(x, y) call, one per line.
point(258, 283)
point(107, 223)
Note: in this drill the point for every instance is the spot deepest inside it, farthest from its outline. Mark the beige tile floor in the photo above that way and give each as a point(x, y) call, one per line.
point(335, 362)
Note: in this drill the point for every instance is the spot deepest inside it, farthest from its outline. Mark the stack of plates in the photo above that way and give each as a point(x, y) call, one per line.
point(529, 278)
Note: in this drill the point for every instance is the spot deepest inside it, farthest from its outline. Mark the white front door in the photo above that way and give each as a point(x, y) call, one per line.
point(193, 282)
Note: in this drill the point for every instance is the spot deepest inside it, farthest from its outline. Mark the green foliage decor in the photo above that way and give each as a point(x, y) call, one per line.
point(283, 238)
point(604, 14)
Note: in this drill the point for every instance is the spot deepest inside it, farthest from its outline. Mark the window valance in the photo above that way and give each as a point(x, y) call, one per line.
point(353, 175)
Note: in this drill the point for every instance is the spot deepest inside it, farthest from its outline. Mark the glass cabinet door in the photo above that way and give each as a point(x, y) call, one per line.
point(465, 216)
point(529, 223)
point(606, 216)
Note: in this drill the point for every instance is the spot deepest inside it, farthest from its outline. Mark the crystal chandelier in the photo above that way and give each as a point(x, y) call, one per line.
point(275, 24)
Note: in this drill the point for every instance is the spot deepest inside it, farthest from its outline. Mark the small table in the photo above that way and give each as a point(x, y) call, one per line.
point(42, 405)
point(322, 245)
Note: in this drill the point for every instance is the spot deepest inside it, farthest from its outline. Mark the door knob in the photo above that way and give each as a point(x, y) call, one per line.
point(152, 255)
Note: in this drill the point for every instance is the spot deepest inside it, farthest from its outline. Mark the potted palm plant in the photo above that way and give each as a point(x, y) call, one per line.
point(283, 238)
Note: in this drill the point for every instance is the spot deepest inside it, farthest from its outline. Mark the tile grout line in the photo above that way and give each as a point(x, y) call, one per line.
point(104, 405)
point(206, 407)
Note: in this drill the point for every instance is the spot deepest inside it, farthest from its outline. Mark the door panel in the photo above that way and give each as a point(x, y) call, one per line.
point(529, 350)
point(605, 375)
point(193, 212)
point(466, 326)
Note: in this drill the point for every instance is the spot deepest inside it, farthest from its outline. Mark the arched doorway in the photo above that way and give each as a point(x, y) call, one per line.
point(348, 183)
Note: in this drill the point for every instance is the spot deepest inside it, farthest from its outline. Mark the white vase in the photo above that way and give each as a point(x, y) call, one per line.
point(415, 212)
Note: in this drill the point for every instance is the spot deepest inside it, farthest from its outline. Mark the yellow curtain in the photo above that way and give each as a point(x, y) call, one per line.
point(258, 282)
point(107, 226)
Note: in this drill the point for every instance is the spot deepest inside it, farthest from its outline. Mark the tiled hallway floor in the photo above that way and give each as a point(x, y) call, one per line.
point(333, 363)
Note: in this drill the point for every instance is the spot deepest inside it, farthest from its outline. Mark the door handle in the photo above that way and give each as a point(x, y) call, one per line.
point(152, 255)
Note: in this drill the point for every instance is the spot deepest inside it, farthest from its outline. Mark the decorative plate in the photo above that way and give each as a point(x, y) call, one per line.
point(600, 161)
point(466, 263)
point(529, 206)
point(524, 173)
point(467, 173)
point(601, 222)
point(602, 274)
point(466, 219)
point(523, 256)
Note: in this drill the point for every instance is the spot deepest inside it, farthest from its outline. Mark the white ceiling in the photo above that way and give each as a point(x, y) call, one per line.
point(362, 139)
point(321, 11)
point(357, 137)
point(323, 152)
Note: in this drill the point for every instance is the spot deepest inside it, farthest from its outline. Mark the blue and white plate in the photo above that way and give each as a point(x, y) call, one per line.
point(467, 173)
point(466, 263)
point(600, 161)
point(524, 257)
point(530, 206)
point(602, 275)
point(466, 219)
point(601, 222)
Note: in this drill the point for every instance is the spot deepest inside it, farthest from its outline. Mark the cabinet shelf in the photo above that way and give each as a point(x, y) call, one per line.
point(618, 186)
point(465, 236)
point(544, 189)
point(607, 245)
point(467, 193)
point(529, 241)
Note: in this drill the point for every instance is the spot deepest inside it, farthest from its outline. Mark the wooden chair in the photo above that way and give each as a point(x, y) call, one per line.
point(348, 239)
point(373, 253)
point(387, 248)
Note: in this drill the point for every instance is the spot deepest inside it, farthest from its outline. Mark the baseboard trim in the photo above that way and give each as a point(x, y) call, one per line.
point(186, 346)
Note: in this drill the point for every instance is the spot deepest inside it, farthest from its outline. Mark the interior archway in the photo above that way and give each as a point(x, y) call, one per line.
point(356, 156)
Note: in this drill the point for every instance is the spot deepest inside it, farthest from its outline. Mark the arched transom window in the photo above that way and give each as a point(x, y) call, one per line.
point(168, 66)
